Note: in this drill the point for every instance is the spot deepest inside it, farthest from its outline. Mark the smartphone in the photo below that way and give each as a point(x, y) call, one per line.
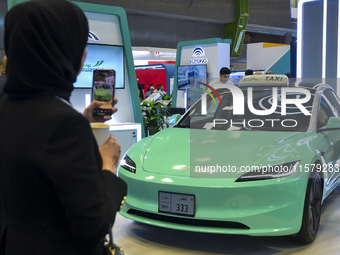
point(103, 89)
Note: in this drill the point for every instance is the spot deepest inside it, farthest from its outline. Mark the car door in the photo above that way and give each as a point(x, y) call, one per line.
point(329, 107)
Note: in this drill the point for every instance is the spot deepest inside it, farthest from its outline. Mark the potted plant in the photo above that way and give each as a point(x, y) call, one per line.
point(166, 97)
point(154, 116)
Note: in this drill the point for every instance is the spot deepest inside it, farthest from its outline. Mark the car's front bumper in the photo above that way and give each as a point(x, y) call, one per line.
point(257, 208)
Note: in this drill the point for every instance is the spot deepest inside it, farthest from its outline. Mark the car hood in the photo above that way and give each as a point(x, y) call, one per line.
point(179, 151)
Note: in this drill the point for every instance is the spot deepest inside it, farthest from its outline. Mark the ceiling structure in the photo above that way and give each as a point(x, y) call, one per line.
point(164, 23)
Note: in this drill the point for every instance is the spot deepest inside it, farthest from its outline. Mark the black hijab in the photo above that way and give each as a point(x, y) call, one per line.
point(44, 44)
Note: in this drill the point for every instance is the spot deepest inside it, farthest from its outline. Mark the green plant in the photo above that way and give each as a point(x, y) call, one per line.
point(166, 97)
point(154, 116)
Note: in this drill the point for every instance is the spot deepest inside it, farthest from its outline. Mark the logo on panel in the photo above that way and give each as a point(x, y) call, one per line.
point(198, 54)
point(93, 37)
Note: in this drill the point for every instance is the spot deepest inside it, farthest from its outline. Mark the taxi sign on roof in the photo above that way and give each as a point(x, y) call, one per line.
point(270, 80)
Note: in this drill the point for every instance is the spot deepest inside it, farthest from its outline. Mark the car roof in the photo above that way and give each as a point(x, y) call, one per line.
point(266, 80)
point(279, 80)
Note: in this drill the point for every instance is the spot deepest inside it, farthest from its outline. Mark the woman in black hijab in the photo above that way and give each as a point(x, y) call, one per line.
point(59, 192)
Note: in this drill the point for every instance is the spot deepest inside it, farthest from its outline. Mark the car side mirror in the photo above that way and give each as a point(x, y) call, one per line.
point(173, 119)
point(333, 122)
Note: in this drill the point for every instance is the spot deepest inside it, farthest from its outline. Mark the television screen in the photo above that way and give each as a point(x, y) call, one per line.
point(101, 56)
point(191, 76)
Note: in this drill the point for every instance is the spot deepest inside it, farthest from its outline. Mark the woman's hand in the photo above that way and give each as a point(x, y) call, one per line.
point(110, 153)
point(88, 112)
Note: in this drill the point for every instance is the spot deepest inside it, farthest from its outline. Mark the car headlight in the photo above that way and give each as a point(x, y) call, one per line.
point(270, 172)
point(128, 164)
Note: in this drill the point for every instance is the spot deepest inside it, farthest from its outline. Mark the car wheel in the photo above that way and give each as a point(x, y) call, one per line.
point(311, 212)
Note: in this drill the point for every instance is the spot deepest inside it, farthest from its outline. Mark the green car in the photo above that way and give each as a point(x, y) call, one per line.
point(255, 159)
point(103, 94)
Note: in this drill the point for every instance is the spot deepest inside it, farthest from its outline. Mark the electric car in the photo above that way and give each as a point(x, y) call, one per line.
point(255, 159)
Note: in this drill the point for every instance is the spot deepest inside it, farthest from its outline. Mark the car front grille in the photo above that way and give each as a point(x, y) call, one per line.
point(189, 221)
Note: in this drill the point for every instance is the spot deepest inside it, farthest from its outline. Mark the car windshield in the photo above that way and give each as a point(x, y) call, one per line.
point(209, 114)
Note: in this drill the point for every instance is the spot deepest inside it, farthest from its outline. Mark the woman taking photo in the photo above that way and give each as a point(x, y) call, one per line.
point(59, 191)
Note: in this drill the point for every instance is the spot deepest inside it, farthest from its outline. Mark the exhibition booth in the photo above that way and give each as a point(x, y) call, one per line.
point(152, 55)
point(318, 51)
point(197, 62)
point(111, 50)
point(156, 74)
point(269, 56)
point(109, 47)
point(155, 66)
point(256, 205)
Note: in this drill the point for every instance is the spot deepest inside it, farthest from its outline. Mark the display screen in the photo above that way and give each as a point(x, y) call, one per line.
point(102, 57)
point(104, 85)
point(191, 76)
point(103, 90)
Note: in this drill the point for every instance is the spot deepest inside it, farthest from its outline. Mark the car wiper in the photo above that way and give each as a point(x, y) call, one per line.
point(326, 129)
point(182, 126)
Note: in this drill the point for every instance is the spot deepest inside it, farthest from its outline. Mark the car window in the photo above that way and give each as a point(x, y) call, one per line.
point(335, 102)
point(329, 107)
point(219, 114)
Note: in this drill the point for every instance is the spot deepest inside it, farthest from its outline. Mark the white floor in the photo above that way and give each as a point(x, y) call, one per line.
point(140, 239)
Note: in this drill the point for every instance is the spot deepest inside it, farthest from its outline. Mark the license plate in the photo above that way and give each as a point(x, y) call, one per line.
point(174, 203)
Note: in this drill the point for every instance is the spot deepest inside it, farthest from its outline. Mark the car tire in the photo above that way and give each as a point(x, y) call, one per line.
point(311, 211)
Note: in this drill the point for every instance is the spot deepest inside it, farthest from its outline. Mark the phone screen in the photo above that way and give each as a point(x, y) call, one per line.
point(103, 89)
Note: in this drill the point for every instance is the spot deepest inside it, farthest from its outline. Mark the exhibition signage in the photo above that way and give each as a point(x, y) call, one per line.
point(160, 54)
point(93, 37)
point(293, 10)
point(236, 31)
point(198, 54)
point(240, 32)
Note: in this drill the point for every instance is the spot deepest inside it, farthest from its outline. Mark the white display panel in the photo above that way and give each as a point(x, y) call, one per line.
point(100, 24)
point(102, 57)
point(214, 55)
point(107, 29)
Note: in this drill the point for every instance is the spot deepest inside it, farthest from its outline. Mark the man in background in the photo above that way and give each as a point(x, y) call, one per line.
point(161, 89)
point(140, 91)
point(249, 72)
point(224, 77)
point(151, 90)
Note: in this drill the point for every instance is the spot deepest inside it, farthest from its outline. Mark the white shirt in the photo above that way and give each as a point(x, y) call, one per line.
point(219, 82)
